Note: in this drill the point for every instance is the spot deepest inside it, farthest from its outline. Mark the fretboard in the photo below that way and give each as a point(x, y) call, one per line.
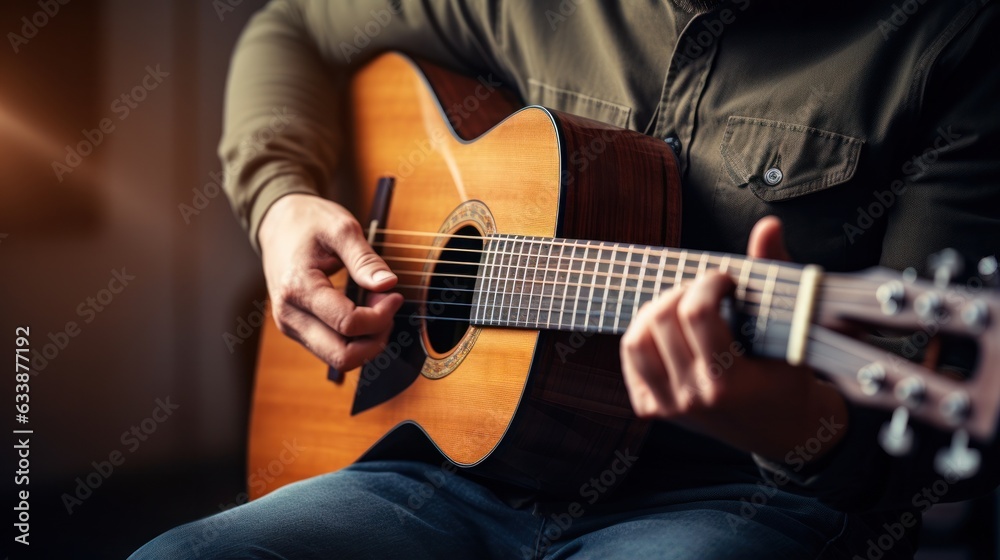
point(598, 287)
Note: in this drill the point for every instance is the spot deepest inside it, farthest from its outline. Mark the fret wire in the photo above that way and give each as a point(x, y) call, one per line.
point(576, 300)
point(534, 279)
point(501, 277)
point(593, 279)
point(555, 280)
point(508, 296)
point(702, 265)
point(607, 284)
point(741, 287)
point(519, 290)
point(765, 303)
point(492, 276)
point(724, 266)
point(639, 286)
point(621, 287)
point(680, 268)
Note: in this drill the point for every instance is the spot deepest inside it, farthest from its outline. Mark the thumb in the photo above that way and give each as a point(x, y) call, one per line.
point(767, 240)
point(363, 263)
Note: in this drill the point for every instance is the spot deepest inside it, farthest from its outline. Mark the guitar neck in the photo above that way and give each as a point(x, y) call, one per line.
point(598, 287)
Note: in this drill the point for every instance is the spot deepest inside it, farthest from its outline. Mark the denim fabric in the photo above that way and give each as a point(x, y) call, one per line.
point(415, 510)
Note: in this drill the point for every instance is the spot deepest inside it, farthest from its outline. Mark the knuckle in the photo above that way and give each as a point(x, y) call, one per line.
point(632, 340)
point(337, 360)
point(346, 228)
point(697, 311)
point(347, 325)
point(365, 259)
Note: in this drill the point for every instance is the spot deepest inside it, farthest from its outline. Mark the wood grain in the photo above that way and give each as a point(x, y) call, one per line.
point(574, 413)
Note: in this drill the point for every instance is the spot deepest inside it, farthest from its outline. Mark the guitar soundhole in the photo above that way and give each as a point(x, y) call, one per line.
point(450, 290)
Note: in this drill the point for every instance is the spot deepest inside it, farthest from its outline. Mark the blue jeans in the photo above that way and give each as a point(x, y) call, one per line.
point(414, 510)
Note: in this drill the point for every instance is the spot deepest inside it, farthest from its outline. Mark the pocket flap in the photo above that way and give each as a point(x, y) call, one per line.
point(779, 161)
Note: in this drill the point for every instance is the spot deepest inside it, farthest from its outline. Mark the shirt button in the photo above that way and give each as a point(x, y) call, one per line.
point(674, 143)
point(773, 176)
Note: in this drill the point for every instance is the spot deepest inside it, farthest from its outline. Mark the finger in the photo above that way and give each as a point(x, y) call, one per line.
point(328, 345)
point(668, 335)
point(329, 305)
point(767, 240)
point(362, 262)
point(700, 318)
point(646, 378)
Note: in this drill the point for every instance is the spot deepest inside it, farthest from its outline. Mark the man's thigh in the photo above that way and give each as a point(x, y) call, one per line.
point(703, 524)
point(369, 510)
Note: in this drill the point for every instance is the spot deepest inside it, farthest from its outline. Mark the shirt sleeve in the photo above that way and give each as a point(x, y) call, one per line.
point(284, 97)
point(950, 199)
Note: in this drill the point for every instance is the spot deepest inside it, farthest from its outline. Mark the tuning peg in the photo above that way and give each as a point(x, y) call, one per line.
point(896, 437)
point(958, 461)
point(988, 271)
point(945, 265)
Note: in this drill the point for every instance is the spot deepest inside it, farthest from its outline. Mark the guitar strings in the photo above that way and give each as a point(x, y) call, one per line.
point(749, 307)
point(555, 242)
point(857, 283)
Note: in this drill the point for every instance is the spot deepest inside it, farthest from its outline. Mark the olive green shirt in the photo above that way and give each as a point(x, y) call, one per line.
point(869, 127)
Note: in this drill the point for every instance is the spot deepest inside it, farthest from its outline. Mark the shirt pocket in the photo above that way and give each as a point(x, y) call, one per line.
point(780, 161)
point(578, 104)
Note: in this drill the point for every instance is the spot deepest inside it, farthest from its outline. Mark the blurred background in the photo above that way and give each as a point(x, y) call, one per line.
point(112, 214)
point(119, 251)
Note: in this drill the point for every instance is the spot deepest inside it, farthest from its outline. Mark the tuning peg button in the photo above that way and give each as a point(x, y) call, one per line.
point(911, 391)
point(929, 307)
point(945, 265)
point(956, 407)
point(896, 437)
point(976, 315)
point(891, 297)
point(988, 271)
point(871, 378)
point(958, 461)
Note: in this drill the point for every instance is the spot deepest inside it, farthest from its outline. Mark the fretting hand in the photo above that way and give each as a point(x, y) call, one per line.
point(671, 362)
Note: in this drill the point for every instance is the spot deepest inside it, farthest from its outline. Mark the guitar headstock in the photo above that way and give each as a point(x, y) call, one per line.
point(930, 311)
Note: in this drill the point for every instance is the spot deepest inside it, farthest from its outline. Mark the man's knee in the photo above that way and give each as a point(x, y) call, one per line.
point(218, 536)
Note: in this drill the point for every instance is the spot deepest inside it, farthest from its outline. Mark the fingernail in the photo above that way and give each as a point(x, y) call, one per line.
point(382, 276)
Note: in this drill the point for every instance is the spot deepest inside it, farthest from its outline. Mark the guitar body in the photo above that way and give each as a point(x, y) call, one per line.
point(540, 409)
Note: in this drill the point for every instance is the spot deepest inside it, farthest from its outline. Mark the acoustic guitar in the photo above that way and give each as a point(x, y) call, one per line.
point(525, 240)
